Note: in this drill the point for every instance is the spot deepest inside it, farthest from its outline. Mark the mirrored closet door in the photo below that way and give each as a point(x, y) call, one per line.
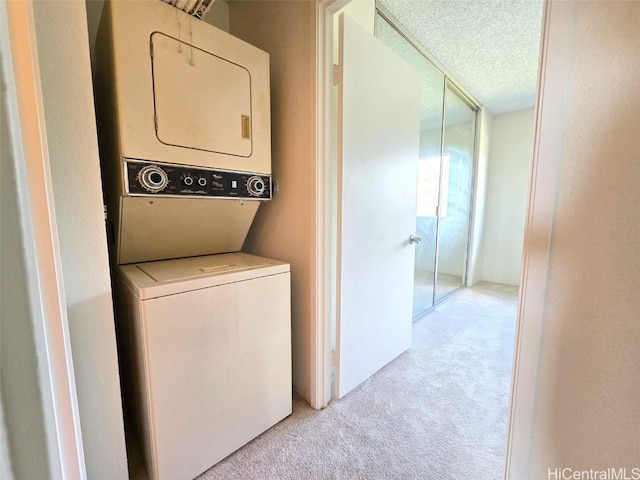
point(445, 174)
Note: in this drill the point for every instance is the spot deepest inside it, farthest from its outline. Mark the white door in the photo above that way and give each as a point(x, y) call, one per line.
point(379, 127)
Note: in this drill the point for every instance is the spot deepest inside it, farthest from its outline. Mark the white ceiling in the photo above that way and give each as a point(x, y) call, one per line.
point(491, 47)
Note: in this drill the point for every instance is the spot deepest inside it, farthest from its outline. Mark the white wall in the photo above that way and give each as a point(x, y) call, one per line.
point(578, 381)
point(476, 247)
point(285, 228)
point(506, 202)
point(362, 11)
point(63, 47)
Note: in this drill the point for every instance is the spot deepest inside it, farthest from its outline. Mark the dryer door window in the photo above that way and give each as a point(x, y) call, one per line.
point(202, 101)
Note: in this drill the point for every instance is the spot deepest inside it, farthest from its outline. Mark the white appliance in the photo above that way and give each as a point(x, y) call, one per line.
point(185, 132)
point(212, 345)
point(184, 128)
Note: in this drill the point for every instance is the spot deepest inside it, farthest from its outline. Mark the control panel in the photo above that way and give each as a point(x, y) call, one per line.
point(152, 178)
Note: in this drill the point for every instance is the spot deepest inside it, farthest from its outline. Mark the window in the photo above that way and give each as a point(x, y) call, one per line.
point(428, 185)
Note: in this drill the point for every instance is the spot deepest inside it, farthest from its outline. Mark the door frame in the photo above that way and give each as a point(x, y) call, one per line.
point(43, 268)
point(326, 189)
point(325, 262)
point(553, 74)
point(539, 223)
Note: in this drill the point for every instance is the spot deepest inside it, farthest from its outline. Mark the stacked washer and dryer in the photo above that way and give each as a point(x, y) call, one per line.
point(203, 330)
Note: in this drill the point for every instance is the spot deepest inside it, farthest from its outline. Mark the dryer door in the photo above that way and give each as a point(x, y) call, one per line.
point(202, 101)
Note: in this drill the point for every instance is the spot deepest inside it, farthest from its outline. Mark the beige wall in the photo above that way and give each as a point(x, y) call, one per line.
point(285, 228)
point(506, 201)
point(94, 15)
point(63, 49)
point(218, 15)
point(585, 409)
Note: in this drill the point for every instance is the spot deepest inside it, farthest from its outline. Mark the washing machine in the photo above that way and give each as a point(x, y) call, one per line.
point(211, 339)
point(204, 335)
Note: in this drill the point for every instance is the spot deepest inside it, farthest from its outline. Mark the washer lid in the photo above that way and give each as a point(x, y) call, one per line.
point(168, 277)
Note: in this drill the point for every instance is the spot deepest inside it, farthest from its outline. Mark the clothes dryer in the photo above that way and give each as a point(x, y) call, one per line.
point(184, 127)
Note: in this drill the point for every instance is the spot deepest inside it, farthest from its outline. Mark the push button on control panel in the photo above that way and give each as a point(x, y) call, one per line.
point(187, 180)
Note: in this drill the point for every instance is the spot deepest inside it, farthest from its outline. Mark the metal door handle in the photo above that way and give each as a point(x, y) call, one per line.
point(414, 239)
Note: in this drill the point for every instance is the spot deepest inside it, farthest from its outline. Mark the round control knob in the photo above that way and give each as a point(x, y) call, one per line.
point(255, 186)
point(187, 180)
point(153, 178)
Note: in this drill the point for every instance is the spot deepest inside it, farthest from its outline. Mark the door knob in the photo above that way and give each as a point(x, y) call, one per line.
point(414, 239)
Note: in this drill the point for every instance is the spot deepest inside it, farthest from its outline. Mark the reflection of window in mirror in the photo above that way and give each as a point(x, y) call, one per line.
point(428, 185)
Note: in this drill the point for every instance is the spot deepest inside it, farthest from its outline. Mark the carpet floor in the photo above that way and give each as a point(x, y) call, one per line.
point(439, 411)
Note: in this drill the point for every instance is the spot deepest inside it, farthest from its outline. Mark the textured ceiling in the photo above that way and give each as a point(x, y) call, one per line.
point(491, 47)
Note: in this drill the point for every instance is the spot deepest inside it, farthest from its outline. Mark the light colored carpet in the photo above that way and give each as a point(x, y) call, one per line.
point(439, 411)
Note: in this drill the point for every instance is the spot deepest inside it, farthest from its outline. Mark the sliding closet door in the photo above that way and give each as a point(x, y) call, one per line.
point(445, 174)
point(429, 166)
point(456, 180)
